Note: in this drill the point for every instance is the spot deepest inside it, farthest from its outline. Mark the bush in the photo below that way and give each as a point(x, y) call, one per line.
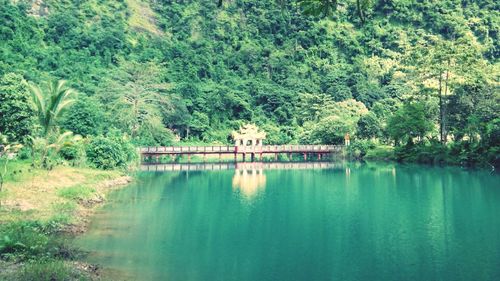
point(74, 153)
point(105, 153)
point(85, 118)
point(385, 152)
point(425, 153)
point(110, 152)
point(359, 148)
point(29, 240)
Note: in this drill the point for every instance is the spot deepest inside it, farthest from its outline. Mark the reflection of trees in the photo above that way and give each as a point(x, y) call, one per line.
point(191, 226)
point(249, 182)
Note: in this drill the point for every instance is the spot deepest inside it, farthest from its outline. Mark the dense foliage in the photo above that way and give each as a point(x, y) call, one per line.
point(393, 71)
point(109, 152)
point(16, 110)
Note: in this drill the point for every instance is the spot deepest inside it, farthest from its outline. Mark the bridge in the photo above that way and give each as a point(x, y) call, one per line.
point(154, 153)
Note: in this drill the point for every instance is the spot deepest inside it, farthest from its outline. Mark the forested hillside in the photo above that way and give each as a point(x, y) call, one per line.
point(410, 73)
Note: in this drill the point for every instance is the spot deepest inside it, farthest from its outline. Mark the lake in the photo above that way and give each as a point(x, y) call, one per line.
point(301, 221)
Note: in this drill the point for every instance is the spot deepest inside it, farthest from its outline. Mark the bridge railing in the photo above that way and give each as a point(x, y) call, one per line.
point(186, 149)
point(241, 149)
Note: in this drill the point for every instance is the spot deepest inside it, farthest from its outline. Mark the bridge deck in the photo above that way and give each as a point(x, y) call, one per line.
point(160, 150)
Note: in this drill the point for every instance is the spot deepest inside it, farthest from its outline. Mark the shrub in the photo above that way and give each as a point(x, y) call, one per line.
point(85, 118)
point(359, 148)
point(105, 153)
point(74, 152)
point(110, 152)
point(28, 240)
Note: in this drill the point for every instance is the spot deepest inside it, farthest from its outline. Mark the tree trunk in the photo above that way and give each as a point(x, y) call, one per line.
point(441, 108)
point(360, 12)
point(445, 133)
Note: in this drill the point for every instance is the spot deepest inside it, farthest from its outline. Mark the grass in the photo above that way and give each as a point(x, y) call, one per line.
point(30, 194)
point(28, 240)
point(49, 270)
point(78, 192)
point(36, 206)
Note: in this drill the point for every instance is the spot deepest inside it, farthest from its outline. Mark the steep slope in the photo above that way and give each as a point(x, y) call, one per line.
point(243, 60)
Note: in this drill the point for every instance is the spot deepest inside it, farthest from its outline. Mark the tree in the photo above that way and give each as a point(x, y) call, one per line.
point(327, 7)
point(85, 118)
point(51, 102)
point(409, 122)
point(368, 126)
point(17, 116)
point(328, 130)
point(442, 66)
point(135, 95)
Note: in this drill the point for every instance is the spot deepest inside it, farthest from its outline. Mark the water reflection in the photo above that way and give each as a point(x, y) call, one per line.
point(174, 167)
point(249, 180)
point(367, 222)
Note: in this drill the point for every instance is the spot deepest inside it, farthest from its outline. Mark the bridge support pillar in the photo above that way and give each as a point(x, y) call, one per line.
point(289, 156)
point(305, 156)
point(319, 156)
point(252, 157)
point(204, 157)
point(157, 158)
point(235, 157)
point(220, 157)
point(244, 156)
point(260, 157)
point(189, 158)
point(275, 156)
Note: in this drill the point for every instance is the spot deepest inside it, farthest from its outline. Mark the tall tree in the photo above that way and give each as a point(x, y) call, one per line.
point(17, 115)
point(135, 95)
point(443, 65)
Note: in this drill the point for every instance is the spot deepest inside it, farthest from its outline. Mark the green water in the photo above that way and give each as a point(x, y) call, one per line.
point(346, 222)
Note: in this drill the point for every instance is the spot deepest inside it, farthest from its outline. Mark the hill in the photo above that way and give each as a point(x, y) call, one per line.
point(301, 77)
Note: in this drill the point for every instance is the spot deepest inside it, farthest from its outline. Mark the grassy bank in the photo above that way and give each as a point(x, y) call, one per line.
point(38, 209)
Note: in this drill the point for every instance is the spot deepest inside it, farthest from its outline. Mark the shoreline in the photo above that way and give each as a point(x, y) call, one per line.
point(89, 206)
point(63, 200)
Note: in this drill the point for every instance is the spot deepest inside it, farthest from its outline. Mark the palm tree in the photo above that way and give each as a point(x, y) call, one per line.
point(51, 102)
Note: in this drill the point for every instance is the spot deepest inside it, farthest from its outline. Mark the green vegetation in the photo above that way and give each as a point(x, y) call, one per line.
point(83, 83)
point(47, 270)
point(394, 72)
point(39, 250)
point(36, 207)
point(16, 111)
point(75, 193)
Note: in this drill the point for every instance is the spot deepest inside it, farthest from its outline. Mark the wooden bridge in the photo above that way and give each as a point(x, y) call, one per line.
point(154, 153)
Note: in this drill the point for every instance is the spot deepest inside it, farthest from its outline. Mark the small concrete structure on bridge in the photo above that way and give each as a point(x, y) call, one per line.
point(248, 141)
